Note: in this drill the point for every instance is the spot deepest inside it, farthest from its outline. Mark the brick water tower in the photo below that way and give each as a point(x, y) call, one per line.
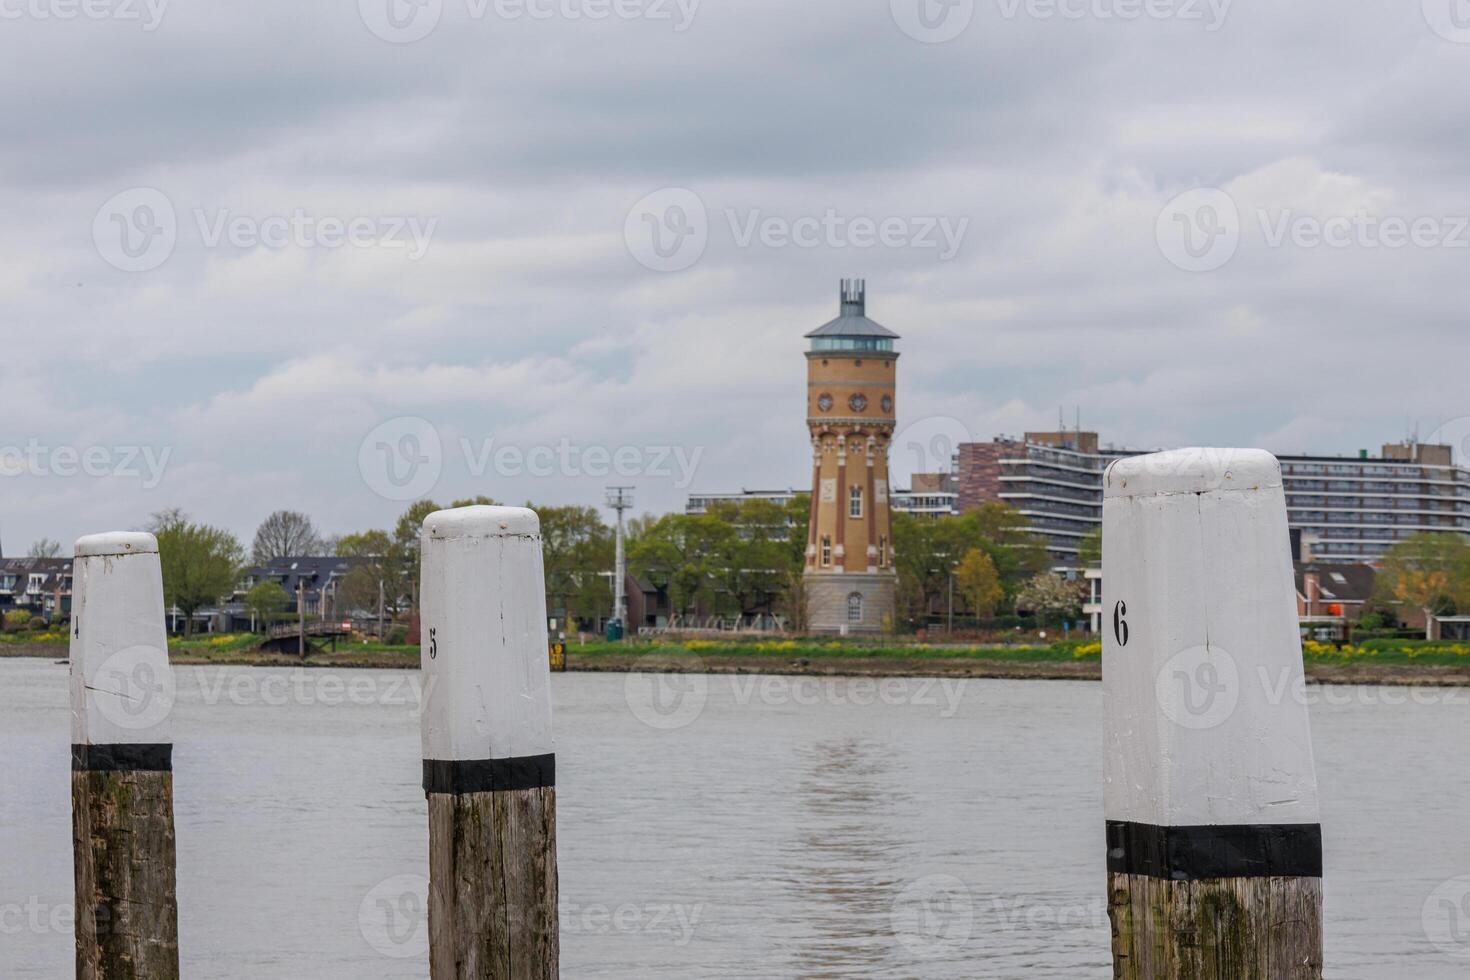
point(850, 413)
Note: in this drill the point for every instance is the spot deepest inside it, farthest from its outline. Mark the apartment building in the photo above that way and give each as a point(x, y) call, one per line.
point(1357, 507)
point(1053, 478)
point(1353, 507)
point(700, 503)
point(929, 503)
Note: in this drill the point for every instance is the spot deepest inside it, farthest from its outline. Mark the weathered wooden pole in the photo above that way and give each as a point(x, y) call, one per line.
point(489, 767)
point(1213, 834)
point(122, 694)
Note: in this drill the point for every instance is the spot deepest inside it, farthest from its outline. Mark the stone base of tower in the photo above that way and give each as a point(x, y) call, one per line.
point(831, 607)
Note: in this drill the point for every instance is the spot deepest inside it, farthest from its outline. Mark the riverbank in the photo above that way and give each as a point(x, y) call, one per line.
point(1399, 664)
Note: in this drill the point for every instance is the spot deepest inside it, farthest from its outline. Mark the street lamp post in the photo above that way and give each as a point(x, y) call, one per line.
point(620, 499)
point(950, 629)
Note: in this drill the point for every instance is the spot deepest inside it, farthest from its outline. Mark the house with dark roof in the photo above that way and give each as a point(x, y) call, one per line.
point(1331, 596)
point(40, 586)
point(313, 579)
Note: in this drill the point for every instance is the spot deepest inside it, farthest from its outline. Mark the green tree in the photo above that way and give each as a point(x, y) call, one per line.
point(979, 583)
point(404, 552)
point(927, 550)
point(200, 564)
point(1429, 571)
point(922, 560)
point(381, 571)
point(364, 544)
point(752, 563)
point(267, 600)
point(478, 500)
point(1089, 549)
point(577, 549)
point(676, 551)
point(999, 522)
point(791, 603)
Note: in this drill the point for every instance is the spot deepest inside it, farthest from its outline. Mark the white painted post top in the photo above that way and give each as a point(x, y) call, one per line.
point(1196, 470)
point(487, 679)
point(1206, 723)
point(122, 688)
point(482, 520)
point(116, 543)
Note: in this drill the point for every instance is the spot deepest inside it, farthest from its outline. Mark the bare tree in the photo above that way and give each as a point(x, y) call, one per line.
point(45, 548)
point(286, 532)
point(161, 520)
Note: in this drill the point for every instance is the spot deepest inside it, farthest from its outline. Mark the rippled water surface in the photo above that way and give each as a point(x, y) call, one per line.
point(716, 827)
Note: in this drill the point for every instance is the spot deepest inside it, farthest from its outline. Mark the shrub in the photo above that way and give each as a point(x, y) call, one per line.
point(17, 618)
point(1412, 647)
point(395, 636)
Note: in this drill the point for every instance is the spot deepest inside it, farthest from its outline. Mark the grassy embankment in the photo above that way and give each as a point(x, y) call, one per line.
point(228, 648)
point(1386, 661)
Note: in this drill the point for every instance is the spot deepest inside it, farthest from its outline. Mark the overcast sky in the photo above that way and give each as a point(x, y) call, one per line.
point(330, 255)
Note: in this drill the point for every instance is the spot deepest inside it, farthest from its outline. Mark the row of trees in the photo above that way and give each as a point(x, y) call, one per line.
point(749, 557)
point(737, 559)
point(202, 564)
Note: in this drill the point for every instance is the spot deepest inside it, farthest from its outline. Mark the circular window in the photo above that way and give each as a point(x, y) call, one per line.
point(824, 402)
point(887, 403)
point(858, 402)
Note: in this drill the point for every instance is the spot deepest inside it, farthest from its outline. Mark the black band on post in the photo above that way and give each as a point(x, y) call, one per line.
point(1224, 851)
point(123, 756)
point(489, 775)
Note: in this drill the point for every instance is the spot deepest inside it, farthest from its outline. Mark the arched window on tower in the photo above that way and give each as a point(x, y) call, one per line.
point(855, 502)
point(854, 607)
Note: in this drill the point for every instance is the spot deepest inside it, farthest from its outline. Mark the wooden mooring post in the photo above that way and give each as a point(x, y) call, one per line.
point(489, 767)
point(122, 696)
point(1214, 842)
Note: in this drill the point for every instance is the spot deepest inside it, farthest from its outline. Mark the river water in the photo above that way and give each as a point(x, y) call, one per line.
point(719, 826)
